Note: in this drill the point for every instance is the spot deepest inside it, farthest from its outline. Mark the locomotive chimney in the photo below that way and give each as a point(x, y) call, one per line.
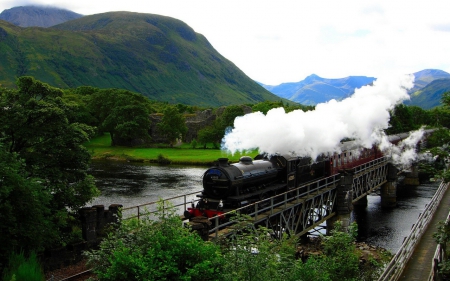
point(223, 162)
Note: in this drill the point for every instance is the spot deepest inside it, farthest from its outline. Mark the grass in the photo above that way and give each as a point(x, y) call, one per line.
point(100, 148)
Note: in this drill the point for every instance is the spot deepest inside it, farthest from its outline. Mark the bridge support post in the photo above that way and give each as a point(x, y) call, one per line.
point(412, 178)
point(389, 189)
point(344, 206)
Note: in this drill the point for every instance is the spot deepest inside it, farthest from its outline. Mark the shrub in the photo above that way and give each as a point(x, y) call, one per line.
point(21, 268)
point(155, 250)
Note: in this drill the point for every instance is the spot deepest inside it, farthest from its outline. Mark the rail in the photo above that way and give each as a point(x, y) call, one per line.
point(396, 266)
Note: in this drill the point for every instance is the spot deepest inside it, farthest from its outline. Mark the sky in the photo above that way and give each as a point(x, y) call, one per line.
point(281, 41)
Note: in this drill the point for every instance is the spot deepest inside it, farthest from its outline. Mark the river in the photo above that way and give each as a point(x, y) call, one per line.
point(132, 184)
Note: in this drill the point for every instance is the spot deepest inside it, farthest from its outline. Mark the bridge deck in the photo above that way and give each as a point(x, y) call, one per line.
point(419, 265)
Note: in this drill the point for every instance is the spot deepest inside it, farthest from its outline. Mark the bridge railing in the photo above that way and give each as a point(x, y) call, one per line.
point(396, 266)
point(437, 259)
point(370, 165)
point(273, 205)
point(149, 209)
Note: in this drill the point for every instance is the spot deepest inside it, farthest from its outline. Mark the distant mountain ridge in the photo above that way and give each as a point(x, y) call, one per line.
point(40, 16)
point(314, 89)
point(429, 85)
point(160, 57)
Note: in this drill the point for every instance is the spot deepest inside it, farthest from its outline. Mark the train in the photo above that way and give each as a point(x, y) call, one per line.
point(228, 186)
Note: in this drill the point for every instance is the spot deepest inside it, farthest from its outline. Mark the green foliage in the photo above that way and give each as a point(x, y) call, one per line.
point(214, 134)
point(194, 143)
point(439, 138)
point(121, 113)
point(442, 237)
point(256, 256)
point(155, 250)
point(340, 258)
point(265, 106)
point(163, 159)
point(21, 268)
point(26, 225)
point(35, 129)
point(401, 120)
point(173, 124)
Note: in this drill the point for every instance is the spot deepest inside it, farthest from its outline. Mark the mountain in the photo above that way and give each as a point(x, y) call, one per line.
point(314, 89)
point(160, 57)
point(430, 95)
point(40, 16)
point(424, 77)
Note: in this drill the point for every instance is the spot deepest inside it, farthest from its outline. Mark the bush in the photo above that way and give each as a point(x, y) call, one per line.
point(194, 143)
point(163, 160)
point(21, 268)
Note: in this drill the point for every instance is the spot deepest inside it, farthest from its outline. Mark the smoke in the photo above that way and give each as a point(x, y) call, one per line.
point(405, 152)
point(362, 117)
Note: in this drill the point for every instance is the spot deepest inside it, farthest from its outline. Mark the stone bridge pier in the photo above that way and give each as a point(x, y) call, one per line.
point(343, 206)
point(389, 189)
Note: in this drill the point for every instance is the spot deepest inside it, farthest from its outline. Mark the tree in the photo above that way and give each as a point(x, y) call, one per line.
point(34, 125)
point(214, 134)
point(123, 114)
point(24, 209)
point(173, 124)
point(401, 120)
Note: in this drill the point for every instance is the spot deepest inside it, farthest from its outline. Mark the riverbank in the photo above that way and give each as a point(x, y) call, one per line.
point(182, 154)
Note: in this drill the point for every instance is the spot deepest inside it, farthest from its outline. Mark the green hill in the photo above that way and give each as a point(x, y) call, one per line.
point(157, 56)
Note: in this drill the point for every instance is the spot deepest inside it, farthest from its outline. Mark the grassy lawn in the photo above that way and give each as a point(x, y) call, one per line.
point(101, 148)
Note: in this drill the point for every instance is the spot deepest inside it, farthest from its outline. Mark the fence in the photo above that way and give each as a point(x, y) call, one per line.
point(396, 266)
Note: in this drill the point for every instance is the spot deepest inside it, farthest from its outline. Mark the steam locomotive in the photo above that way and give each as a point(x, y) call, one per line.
point(229, 186)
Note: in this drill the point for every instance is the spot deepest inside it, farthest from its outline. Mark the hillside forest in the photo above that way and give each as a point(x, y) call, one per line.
point(44, 164)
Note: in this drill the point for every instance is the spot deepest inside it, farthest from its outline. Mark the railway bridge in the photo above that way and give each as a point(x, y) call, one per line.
point(329, 199)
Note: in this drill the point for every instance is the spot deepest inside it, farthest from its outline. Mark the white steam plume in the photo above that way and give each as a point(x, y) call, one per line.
point(362, 117)
point(405, 152)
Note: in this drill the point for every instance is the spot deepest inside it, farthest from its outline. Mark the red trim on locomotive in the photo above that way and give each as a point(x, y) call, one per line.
point(196, 212)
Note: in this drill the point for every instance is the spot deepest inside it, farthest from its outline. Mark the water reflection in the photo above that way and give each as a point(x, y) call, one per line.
point(131, 184)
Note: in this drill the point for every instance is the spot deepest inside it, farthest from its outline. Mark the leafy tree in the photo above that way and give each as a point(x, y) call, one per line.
point(214, 134)
point(208, 135)
point(226, 119)
point(401, 120)
point(123, 114)
point(24, 209)
point(34, 125)
point(173, 124)
point(156, 250)
point(419, 116)
point(339, 253)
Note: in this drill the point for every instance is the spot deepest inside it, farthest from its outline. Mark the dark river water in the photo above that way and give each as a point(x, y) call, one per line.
point(132, 184)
